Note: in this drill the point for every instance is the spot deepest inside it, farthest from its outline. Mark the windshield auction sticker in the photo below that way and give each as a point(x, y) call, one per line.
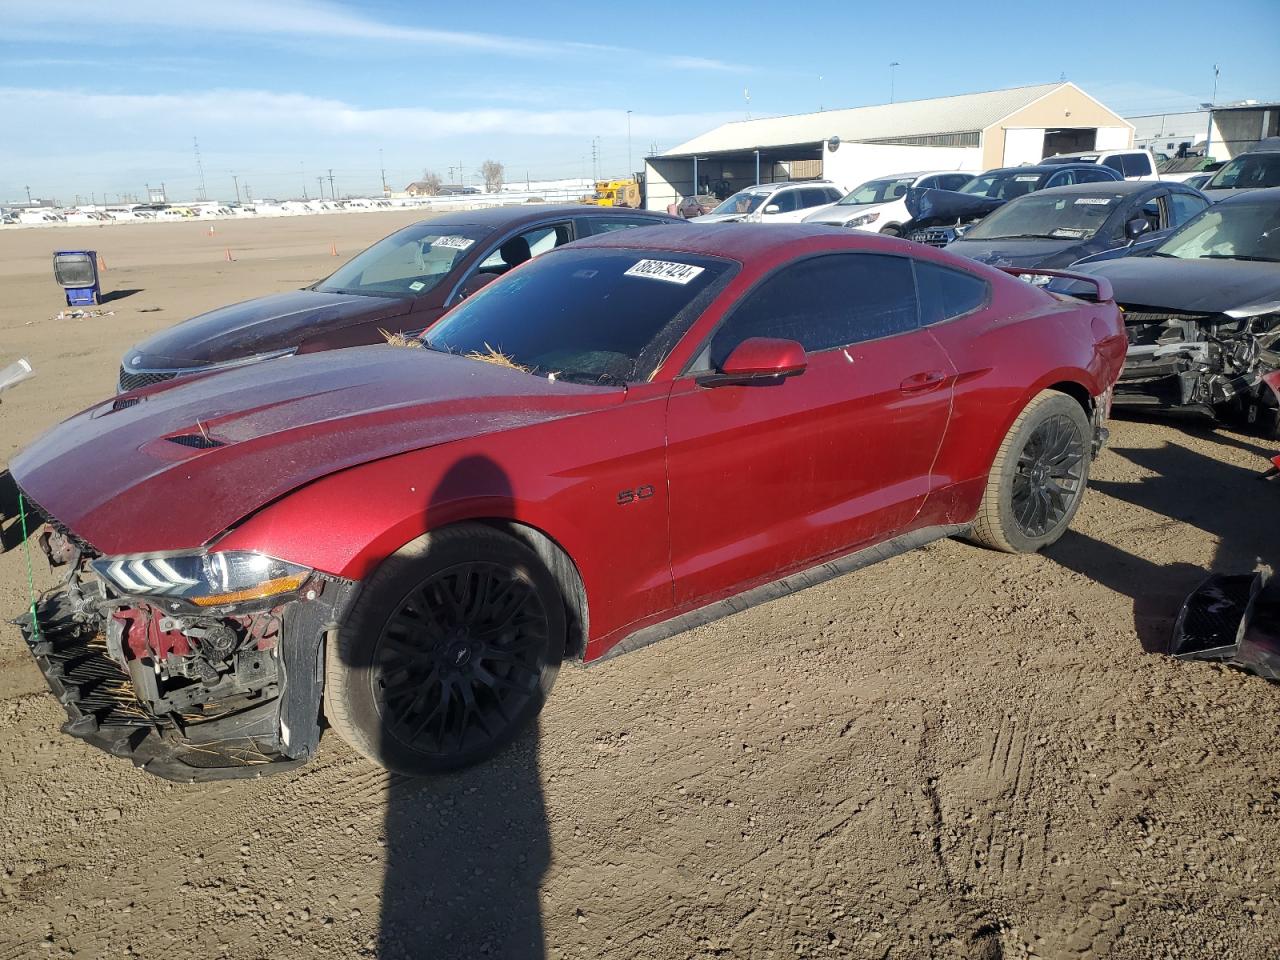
point(1093, 201)
point(454, 243)
point(680, 273)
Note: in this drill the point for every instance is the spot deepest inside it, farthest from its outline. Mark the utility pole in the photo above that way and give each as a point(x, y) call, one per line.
point(332, 195)
point(892, 66)
point(630, 170)
point(383, 169)
point(248, 194)
point(235, 179)
point(595, 158)
point(199, 168)
point(28, 196)
point(320, 181)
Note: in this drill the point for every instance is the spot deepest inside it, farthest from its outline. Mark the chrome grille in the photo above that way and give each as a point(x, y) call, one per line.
point(934, 236)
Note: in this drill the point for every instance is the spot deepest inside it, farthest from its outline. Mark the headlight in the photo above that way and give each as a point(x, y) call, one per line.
point(204, 579)
point(863, 220)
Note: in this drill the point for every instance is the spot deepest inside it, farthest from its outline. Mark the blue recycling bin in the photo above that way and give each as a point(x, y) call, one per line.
point(77, 273)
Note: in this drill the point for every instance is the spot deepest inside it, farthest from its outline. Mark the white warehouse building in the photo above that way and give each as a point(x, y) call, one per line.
point(971, 132)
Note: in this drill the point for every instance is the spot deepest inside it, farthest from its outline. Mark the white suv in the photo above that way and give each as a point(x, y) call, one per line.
point(878, 207)
point(786, 202)
point(1131, 164)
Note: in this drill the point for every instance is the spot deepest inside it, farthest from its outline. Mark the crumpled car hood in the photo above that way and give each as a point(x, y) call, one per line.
point(115, 477)
point(929, 207)
point(720, 218)
point(1017, 253)
point(1196, 286)
point(258, 326)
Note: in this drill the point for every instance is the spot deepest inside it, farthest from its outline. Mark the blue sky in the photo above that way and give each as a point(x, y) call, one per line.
point(102, 97)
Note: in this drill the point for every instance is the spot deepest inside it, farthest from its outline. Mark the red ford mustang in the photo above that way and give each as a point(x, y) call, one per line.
point(617, 441)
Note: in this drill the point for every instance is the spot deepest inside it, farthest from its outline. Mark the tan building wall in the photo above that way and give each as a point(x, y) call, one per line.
point(1063, 108)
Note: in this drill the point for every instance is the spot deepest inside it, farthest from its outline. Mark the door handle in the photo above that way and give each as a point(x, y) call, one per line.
point(919, 382)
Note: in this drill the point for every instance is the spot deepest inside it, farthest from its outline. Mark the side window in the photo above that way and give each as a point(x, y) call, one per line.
point(954, 181)
point(824, 302)
point(931, 183)
point(1115, 164)
point(813, 197)
point(1093, 176)
point(1183, 207)
point(525, 246)
point(946, 294)
point(832, 194)
point(599, 225)
point(785, 200)
point(1136, 165)
point(1063, 178)
point(1151, 212)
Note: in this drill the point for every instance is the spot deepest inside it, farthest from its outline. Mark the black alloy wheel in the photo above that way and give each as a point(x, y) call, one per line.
point(460, 657)
point(1050, 476)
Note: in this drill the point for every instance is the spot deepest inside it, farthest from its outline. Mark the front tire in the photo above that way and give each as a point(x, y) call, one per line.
point(1038, 478)
point(448, 653)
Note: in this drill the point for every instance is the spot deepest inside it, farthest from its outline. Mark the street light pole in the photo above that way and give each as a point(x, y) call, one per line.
point(892, 66)
point(1208, 136)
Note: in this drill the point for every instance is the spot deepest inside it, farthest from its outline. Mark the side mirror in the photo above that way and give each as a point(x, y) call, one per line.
point(772, 208)
point(758, 360)
point(1137, 227)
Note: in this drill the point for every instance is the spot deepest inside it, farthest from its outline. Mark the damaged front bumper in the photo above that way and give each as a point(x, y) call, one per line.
point(1217, 365)
point(189, 696)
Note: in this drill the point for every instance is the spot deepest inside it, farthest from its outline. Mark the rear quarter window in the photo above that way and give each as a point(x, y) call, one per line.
point(946, 294)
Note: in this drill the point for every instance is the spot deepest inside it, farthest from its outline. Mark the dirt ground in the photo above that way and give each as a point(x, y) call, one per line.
point(955, 754)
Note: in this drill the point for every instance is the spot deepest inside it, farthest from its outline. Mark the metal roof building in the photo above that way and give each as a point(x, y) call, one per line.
point(974, 131)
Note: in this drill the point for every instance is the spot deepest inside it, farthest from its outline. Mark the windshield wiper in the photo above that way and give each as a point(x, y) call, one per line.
point(1238, 256)
point(1030, 236)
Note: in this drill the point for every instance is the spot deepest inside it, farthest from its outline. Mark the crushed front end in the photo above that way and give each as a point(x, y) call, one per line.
point(199, 666)
point(1223, 365)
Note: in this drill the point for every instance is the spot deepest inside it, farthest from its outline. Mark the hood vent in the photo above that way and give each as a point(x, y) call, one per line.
point(198, 441)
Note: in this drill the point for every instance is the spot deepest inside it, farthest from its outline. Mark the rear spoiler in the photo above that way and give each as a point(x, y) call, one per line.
point(1102, 286)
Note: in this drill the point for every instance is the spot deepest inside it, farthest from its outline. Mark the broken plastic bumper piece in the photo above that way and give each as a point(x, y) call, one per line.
point(1233, 619)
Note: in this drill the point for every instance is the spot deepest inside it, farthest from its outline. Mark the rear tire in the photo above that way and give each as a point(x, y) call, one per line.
point(1038, 477)
point(448, 653)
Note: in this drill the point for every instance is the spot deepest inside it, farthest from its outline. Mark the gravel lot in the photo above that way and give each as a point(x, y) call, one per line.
point(954, 754)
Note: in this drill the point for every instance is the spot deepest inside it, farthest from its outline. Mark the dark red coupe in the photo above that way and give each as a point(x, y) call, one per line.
point(615, 442)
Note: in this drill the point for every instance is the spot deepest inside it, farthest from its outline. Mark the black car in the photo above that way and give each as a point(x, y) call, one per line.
point(1058, 226)
point(1202, 311)
point(940, 216)
point(403, 283)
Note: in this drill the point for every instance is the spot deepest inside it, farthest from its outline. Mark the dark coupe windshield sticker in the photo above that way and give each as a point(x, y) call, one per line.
point(455, 243)
point(680, 273)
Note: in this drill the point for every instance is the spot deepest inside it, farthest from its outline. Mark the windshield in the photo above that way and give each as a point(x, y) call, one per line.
point(589, 315)
point(1002, 184)
point(1043, 215)
point(878, 191)
point(406, 264)
point(1248, 171)
point(1229, 231)
point(745, 201)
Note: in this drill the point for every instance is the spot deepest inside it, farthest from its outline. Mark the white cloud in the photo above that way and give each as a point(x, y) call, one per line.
point(246, 112)
point(292, 19)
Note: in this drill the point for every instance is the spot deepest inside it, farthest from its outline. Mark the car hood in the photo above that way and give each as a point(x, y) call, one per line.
point(1221, 193)
point(1196, 286)
point(258, 326)
point(1018, 253)
point(929, 207)
point(839, 214)
point(116, 477)
point(720, 218)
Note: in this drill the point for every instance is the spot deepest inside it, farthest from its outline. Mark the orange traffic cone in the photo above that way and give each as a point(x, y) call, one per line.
point(102, 264)
point(333, 249)
point(230, 258)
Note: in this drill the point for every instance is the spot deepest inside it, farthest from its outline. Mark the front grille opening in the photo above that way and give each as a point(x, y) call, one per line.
point(125, 404)
point(132, 381)
point(198, 441)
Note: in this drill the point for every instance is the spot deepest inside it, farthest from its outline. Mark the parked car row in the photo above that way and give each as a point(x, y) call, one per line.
point(404, 543)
